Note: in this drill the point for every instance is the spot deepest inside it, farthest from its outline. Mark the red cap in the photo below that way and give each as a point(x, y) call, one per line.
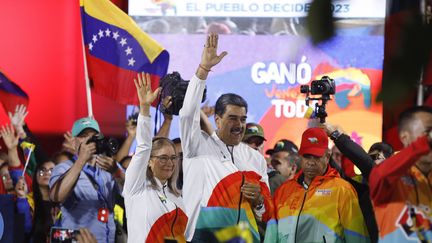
point(314, 142)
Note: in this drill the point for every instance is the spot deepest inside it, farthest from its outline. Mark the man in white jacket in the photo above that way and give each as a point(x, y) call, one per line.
point(225, 181)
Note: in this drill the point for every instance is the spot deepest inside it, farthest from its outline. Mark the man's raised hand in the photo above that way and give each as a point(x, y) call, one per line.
point(209, 57)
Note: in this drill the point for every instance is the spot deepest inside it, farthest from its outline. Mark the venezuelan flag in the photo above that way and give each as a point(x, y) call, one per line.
point(117, 50)
point(28, 149)
point(11, 94)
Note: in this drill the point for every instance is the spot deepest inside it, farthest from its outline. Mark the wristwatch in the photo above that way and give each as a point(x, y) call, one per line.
point(335, 135)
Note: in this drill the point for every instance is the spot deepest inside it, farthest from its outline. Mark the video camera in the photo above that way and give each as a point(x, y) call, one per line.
point(104, 145)
point(324, 87)
point(173, 85)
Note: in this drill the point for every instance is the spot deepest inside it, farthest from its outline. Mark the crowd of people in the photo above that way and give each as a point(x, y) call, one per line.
point(217, 184)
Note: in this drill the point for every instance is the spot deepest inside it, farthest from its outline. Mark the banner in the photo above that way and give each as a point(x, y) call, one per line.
point(268, 71)
point(269, 58)
point(256, 8)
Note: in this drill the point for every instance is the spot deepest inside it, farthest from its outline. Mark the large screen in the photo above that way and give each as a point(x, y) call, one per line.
point(271, 56)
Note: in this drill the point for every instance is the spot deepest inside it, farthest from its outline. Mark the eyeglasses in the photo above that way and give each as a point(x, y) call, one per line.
point(163, 159)
point(44, 171)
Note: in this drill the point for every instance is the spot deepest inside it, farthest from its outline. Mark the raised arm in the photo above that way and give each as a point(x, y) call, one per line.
point(136, 172)
point(351, 150)
point(17, 120)
point(62, 182)
point(384, 175)
point(124, 149)
point(190, 129)
point(11, 142)
point(164, 130)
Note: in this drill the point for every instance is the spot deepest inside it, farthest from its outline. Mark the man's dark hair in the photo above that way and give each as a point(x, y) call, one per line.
point(408, 115)
point(229, 99)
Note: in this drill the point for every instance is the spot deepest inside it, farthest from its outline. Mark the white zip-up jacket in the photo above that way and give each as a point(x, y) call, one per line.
point(152, 215)
point(214, 174)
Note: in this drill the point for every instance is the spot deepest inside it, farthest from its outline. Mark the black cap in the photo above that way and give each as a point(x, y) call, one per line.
point(283, 145)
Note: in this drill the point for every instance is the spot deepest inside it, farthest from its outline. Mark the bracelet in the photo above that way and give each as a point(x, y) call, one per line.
point(205, 69)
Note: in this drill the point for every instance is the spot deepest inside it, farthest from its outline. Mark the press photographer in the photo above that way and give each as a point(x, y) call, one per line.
point(323, 87)
point(85, 187)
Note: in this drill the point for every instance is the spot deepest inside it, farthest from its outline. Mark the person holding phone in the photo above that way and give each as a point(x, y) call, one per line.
point(154, 207)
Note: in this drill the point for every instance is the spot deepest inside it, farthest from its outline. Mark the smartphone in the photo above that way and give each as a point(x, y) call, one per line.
point(63, 235)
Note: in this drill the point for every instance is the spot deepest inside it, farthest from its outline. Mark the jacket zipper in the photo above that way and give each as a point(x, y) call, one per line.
point(241, 198)
point(298, 216)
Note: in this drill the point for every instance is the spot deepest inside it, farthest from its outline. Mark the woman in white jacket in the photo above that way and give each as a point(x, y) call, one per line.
point(154, 208)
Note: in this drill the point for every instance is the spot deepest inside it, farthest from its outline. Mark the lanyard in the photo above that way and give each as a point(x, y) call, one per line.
point(94, 176)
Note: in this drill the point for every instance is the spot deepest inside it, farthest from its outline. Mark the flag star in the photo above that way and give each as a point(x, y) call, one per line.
point(115, 35)
point(107, 32)
point(131, 61)
point(128, 51)
point(94, 38)
point(123, 41)
point(91, 46)
point(100, 33)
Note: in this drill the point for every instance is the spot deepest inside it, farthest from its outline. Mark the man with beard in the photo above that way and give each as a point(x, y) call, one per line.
point(316, 205)
point(225, 181)
point(400, 186)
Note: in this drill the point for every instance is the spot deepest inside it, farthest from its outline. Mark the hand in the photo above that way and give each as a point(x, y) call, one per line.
point(208, 110)
point(143, 86)
point(69, 143)
point(85, 236)
point(106, 163)
point(209, 57)
point(86, 151)
point(131, 129)
point(329, 128)
point(252, 192)
point(9, 138)
point(17, 119)
point(21, 188)
point(166, 104)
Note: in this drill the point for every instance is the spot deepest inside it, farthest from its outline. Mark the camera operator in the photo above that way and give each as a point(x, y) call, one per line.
point(85, 186)
point(365, 163)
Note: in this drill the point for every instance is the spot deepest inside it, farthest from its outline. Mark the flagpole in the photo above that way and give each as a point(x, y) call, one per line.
point(27, 161)
point(88, 90)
